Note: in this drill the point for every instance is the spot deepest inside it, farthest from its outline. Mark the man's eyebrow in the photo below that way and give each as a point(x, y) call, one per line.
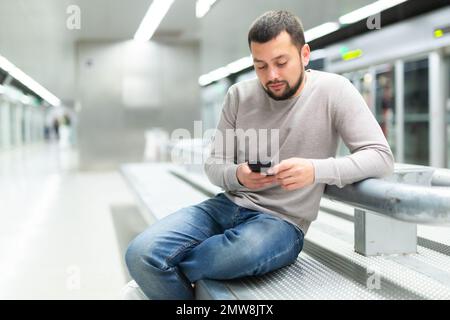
point(257, 60)
point(276, 58)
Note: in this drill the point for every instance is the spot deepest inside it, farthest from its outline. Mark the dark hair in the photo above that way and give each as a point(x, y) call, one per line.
point(272, 23)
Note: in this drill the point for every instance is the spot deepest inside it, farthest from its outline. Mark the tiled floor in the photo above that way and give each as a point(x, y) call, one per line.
point(57, 235)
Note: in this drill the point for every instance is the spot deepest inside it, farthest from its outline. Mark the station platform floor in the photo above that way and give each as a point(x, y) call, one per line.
point(61, 234)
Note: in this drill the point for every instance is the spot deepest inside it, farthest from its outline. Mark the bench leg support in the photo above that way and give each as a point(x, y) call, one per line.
point(378, 235)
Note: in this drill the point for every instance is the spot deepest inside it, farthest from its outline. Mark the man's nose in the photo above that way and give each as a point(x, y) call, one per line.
point(273, 74)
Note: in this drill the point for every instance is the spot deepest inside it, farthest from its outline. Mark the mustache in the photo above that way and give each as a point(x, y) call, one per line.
point(275, 82)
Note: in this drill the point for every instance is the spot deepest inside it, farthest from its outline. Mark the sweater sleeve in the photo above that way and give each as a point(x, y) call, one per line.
point(371, 156)
point(220, 166)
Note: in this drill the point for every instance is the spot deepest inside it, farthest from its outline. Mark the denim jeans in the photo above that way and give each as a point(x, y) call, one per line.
point(215, 239)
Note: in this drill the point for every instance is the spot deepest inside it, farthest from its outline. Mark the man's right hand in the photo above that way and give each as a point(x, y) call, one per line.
point(253, 180)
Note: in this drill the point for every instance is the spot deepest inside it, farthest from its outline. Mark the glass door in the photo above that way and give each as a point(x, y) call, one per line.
point(447, 87)
point(417, 116)
point(385, 102)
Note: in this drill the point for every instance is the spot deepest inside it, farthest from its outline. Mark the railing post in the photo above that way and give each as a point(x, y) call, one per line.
point(378, 235)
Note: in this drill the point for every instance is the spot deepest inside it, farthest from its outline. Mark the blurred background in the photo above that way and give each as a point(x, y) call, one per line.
point(88, 85)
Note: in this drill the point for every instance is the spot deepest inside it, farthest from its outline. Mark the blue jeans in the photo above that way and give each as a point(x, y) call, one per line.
point(215, 239)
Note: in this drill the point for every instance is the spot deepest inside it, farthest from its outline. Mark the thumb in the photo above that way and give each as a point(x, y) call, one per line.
point(283, 165)
point(245, 168)
point(275, 169)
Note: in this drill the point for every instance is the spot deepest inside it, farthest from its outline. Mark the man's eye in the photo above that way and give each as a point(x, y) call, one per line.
point(261, 68)
point(282, 64)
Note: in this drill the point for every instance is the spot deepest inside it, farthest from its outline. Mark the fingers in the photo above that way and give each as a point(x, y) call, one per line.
point(269, 180)
point(258, 180)
point(293, 172)
point(256, 176)
point(264, 181)
point(287, 181)
point(289, 174)
point(282, 166)
point(252, 175)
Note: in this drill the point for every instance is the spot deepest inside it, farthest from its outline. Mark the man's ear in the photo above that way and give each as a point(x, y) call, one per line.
point(305, 54)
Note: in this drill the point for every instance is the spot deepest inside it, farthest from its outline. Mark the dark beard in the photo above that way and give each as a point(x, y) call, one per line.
point(288, 92)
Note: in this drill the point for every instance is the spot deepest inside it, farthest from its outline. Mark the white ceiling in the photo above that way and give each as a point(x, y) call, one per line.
point(34, 36)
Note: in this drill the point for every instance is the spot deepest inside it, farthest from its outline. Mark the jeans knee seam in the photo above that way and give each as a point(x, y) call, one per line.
point(297, 229)
point(176, 271)
point(297, 241)
point(180, 275)
point(180, 250)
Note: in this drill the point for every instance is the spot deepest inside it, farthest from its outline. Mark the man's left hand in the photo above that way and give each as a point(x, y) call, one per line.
point(294, 173)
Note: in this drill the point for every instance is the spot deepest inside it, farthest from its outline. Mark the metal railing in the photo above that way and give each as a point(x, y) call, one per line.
point(441, 178)
point(388, 210)
point(414, 194)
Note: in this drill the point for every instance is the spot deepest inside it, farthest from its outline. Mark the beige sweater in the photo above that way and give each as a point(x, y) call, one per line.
point(308, 127)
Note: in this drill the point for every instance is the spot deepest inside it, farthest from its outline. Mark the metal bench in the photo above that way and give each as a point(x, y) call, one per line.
point(329, 267)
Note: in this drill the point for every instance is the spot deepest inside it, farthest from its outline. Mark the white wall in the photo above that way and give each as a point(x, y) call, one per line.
point(161, 81)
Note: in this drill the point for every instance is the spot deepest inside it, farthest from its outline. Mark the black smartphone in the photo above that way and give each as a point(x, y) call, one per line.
point(260, 167)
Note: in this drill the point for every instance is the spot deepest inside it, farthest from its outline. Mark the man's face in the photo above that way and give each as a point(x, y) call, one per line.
point(280, 66)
